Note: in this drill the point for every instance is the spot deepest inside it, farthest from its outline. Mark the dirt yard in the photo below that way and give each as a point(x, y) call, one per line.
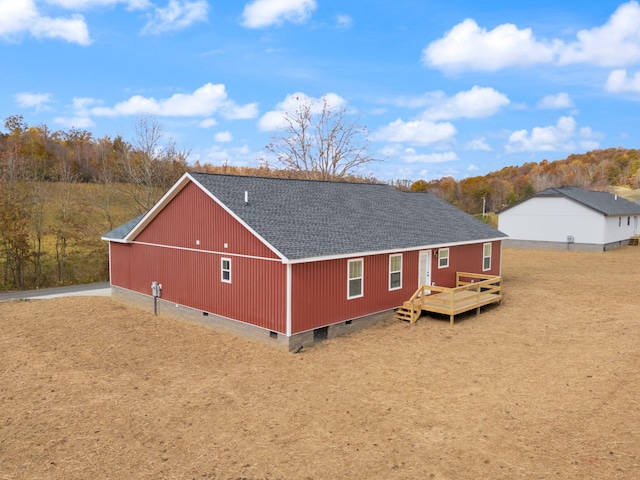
point(545, 386)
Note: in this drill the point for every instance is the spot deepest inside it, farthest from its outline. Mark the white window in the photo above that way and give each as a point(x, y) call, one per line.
point(355, 274)
point(395, 272)
point(486, 257)
point(443, 258)
point(225, 269)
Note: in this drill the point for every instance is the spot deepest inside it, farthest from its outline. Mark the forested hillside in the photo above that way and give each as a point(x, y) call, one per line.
point(596, 170)
point(60, 191)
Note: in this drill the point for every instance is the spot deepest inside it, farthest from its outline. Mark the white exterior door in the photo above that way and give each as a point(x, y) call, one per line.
point(424, 268)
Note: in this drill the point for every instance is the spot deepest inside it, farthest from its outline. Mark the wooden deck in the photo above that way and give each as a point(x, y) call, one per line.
point(472, 292)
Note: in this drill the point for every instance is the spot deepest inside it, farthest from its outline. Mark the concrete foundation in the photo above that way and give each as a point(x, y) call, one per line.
point(222, 324)
point(578, 247)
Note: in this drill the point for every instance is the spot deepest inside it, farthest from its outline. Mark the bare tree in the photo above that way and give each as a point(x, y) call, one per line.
point(149, 167)
point(321, 143)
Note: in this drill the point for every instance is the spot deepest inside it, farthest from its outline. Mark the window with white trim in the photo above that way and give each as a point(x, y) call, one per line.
point(443, 258)
point(355, 276)
point(486, 257)
point(395, 272)
point(225, 270)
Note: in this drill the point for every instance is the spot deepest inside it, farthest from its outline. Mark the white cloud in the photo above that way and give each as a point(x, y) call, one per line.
point(555, 102)
point(467, 46)
point(238, 112)
point(559, 137)
point(412, 157)
point(22, 17)
point(418, 132)
point(274, 119)
point(88, 4)
point(82, 104)
point(74, 122)
point(205, 101)
point(264, 13)
point(618, 82)
point(177, 15)
point(615, 43)
point(479, 102)
point(73, 30)
point(33, 100)
point(208, 123)
point(343, 21)
point(478, 144)
point(223, 137)
point(238, 156)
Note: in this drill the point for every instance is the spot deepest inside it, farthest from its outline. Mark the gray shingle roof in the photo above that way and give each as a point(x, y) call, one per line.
point(306, 219)
point(123, 230)
point(603, 202)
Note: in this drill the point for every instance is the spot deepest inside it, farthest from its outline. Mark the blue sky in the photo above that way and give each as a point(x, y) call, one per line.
point(460, 90)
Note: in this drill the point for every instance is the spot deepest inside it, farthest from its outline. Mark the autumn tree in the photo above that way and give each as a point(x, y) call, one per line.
point(321, 141)
point(148, 167)
point(14, 240)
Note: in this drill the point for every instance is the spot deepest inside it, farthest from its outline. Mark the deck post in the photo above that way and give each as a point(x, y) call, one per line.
point(451, 318)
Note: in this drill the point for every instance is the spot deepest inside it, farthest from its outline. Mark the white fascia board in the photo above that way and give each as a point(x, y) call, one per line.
point(239, 220)
point(115, 240)
point(385, 252)
point(289, 302)
point(157, 208)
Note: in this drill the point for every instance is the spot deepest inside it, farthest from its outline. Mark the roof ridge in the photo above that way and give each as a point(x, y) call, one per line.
point(310, 180)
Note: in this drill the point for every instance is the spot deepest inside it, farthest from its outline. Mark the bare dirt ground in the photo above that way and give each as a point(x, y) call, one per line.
point(545, 386)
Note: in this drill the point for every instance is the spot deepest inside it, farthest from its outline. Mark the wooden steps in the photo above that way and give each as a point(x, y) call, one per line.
point(472, 291)
point(408, 313)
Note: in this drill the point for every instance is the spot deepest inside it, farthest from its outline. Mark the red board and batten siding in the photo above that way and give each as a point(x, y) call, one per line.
point(465, 258)
point(190, 274)
point(183, 245)
point(319, 289)
point(193, 215)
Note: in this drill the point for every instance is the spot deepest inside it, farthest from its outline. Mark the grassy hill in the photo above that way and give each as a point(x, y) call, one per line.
point(51, 233)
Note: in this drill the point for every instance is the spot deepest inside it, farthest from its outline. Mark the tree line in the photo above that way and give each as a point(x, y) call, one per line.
point(60, 191)
point(595, 170)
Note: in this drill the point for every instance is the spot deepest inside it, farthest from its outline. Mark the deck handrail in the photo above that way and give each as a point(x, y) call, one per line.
point(466, 295)
point(491, 284)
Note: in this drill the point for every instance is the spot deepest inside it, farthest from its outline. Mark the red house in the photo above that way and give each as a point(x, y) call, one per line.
point(292, 262)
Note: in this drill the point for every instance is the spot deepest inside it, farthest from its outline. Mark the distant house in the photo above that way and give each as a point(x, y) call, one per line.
point(570, 217)
point(291, 262)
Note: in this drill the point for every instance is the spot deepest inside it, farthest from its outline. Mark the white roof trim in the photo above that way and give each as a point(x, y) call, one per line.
point(186, 178)
point(151, 214)
point(238, 219)
point(115, 240)
point(395, 250)
point(170, 195)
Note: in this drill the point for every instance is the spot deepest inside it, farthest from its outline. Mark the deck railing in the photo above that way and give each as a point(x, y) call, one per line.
point(472, 290)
